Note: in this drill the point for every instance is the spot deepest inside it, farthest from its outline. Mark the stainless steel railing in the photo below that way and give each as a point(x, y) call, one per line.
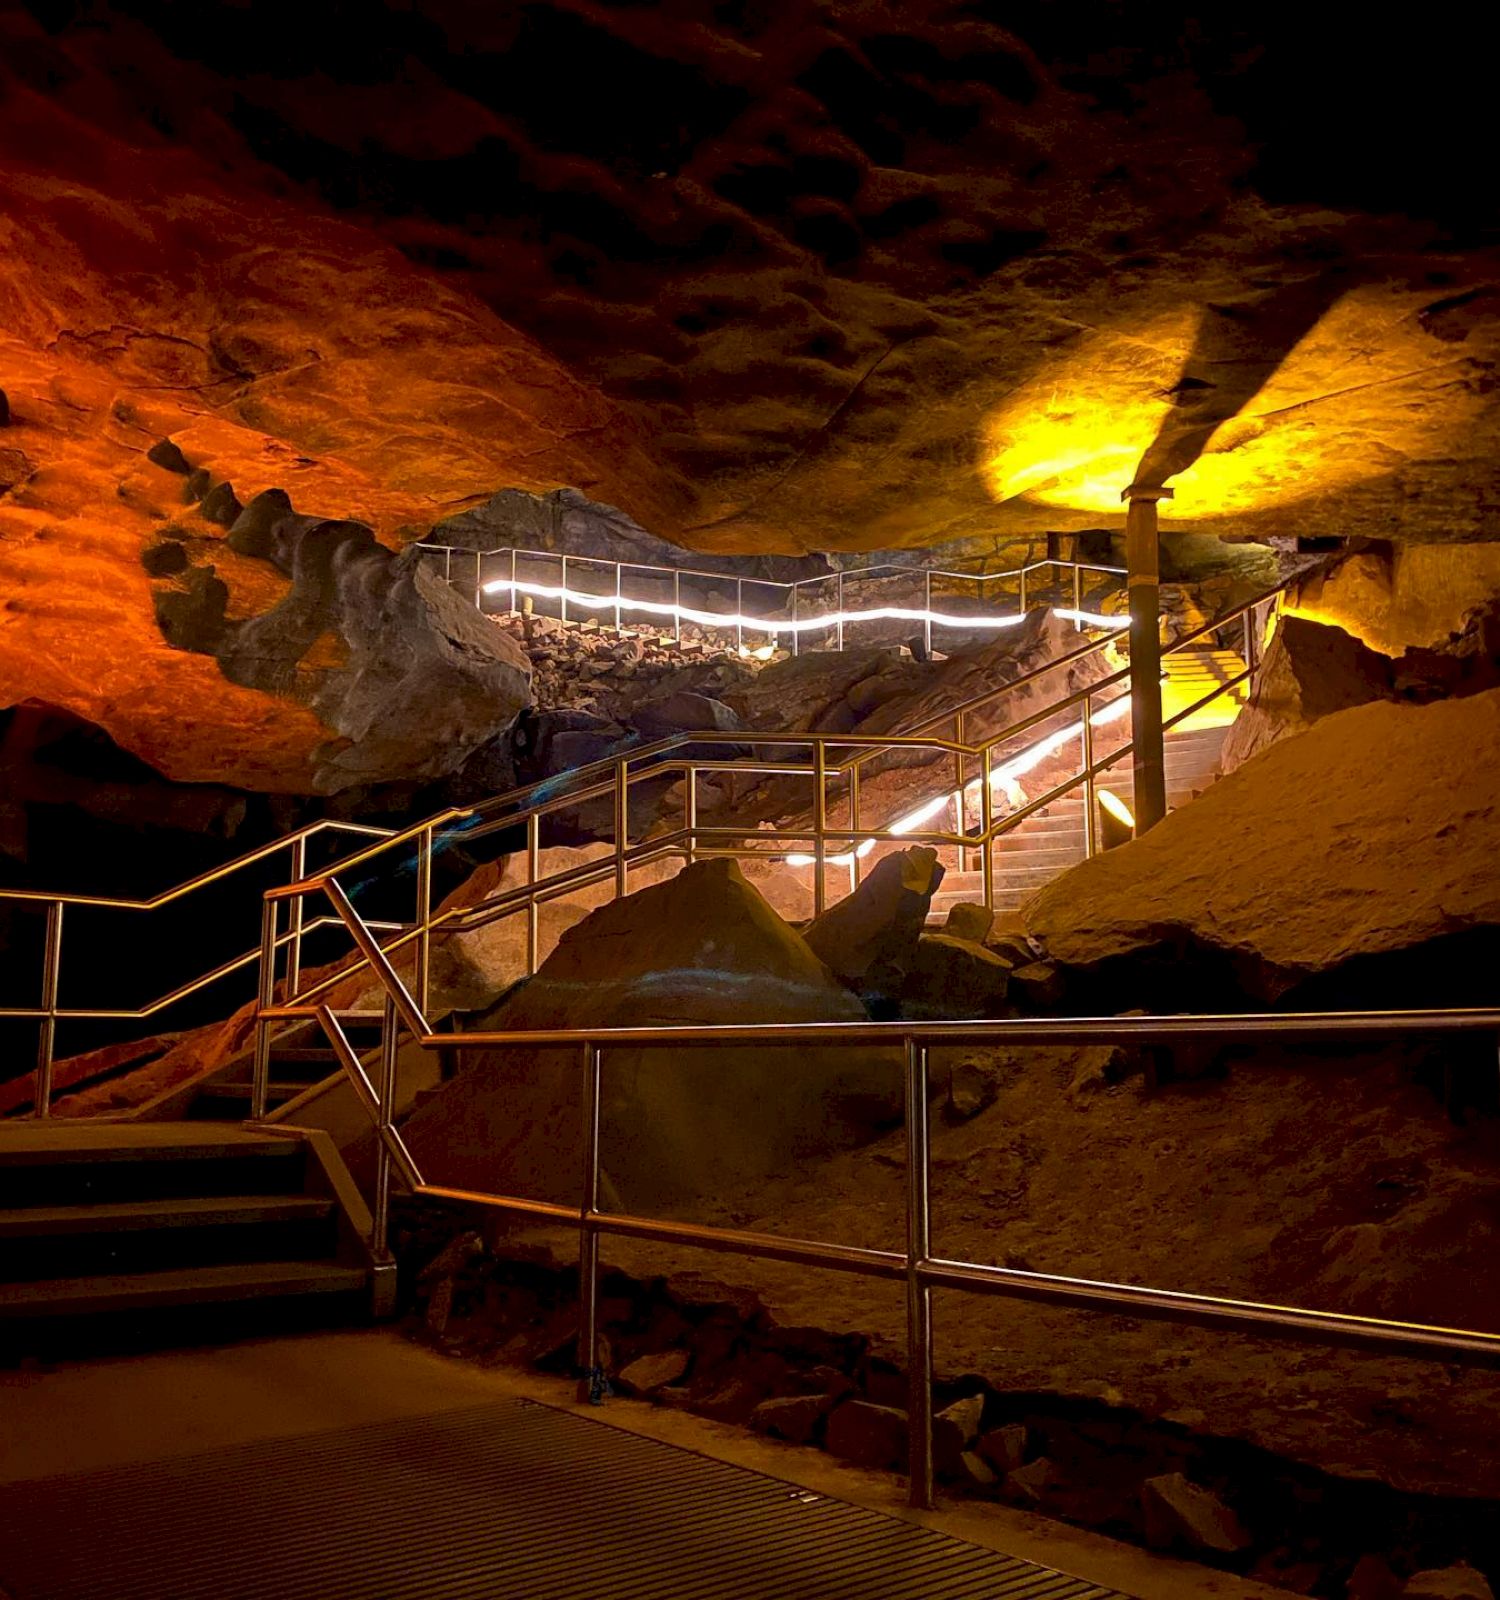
point(916, 1266)
point(832, 762)
point(50, 1011)
point(790, 606)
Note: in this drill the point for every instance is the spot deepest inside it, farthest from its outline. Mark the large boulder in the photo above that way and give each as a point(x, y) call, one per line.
point(1354, 861)
point(703, 947)
point(1309, 670)
point(869, 938)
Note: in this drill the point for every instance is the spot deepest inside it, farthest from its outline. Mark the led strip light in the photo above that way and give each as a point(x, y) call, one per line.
point(1002, 777)
point(775, 626)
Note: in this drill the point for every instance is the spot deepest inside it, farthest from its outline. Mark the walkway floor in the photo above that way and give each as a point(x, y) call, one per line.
point(355, 1464)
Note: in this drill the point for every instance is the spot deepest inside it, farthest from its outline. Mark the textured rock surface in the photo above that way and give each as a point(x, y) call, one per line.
point(1389, 852)
point(870, 937)
point(1402, 597)
point(1183, 1514)
point(703, 947)
point(1309, 670)
point(1461, 1582)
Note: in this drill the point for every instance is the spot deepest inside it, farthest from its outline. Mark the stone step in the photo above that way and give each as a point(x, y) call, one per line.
point(141, 1291)
point(123, 1216)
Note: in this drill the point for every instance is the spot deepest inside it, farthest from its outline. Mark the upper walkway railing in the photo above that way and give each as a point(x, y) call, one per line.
point(838, 831)
point(581, 588)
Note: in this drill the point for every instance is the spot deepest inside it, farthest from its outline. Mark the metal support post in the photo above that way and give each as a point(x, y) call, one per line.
point(380, 1225)
point(854, 856)
point(1023, 591)
point(1077, 587)
point(690, 818)
point(987, 823)
point(515, 594)
point(564, 587)
point(619, 579)
point(1090, 802)
point(591, 1385)
point(478, 582)
point(46, 1048)
point(739, 614)
point(796, 637)
point(294, 913)
point(261, 1069)
point(1143, 560)
point(961, 817)
point(533, 870)
point(918, 1293)
point(838, 600)
point(677, 607)
point(622, 825)
point(820, 823)
point(927, 607)
point(424, 918)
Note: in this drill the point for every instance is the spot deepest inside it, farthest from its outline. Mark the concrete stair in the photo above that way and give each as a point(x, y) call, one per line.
point(301, 1060)
point(128, 1219)
point(1052, 840)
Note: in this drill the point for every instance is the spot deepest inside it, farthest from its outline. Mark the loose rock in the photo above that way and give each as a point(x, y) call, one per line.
point(971, 1089)
point(868, 1435)
point(955, 978)
point(646, 1373)
point(1005, 1448)
point(1461, 1582)
point(1178, 1513)
point(794, 1419)
point(969, 920)
point(1029, 1485)
point(166, 454)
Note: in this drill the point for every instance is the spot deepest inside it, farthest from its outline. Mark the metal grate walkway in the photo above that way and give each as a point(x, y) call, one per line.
point(511, 1501)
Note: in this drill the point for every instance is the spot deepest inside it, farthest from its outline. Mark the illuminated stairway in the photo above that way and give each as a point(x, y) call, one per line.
point(1052, 840)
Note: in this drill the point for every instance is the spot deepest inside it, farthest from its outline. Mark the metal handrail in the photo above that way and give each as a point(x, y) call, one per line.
point(685, 840)
point(918, 1266)
point(610, 776)
point(50, 1012)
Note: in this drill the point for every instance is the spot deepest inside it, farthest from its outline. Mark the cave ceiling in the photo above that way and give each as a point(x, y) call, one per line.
point(769, 276)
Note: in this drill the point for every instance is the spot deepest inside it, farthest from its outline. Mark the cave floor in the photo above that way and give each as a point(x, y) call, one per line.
point(93, 1415)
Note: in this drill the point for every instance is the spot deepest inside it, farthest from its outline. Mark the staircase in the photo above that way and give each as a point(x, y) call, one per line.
point(1052, 840)
point(128, 1220)
point(300, 1060)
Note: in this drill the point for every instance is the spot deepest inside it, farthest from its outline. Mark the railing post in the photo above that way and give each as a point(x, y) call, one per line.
point(1090, 800)
point(448, 563)
point(986, 825)
point(591, 1385)
point(619, 578)
point(918, 1293)
point(677, 607)
point(261, 1069)
point(961, 811)
point(1143, 556)
point(1077, 587)
point(854, 843)
point(820, 823)
point(563, 585)
point(838, 601)
point(739, 615)
point(533, 867)
point(423, 960)
point(47, 1041)
point(380, 1248)
point(927, 606)
point(796, 637)
point(1023, 590)
point(294, 920)
point(622, 825)
point(515, 595)
point(690, 816)
point(478, 581)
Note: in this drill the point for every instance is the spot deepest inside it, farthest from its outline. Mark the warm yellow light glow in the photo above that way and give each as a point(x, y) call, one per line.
point(1350, 399)
point(1116, 807)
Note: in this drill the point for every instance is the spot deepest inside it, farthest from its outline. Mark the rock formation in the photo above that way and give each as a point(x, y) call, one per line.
point(703, 947)
point(1354, 860)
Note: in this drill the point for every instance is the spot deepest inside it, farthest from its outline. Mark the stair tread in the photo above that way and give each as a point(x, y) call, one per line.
point(181, 1285)
point(240, 1089)
point(69, 1140)
point(129, 1215)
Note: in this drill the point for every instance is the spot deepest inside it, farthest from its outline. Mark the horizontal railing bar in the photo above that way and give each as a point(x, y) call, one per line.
point(214, 875)
point(770, 1246)
point(1019, 1030)
point(1470, 1347)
